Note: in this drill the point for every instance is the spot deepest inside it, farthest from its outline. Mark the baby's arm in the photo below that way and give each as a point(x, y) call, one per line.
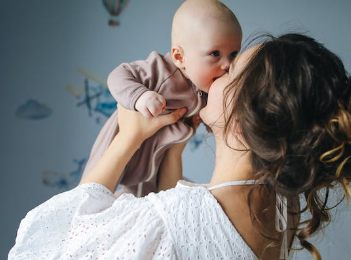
point(130, 82)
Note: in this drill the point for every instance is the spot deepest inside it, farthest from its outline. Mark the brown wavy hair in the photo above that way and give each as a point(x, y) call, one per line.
point(292, 102)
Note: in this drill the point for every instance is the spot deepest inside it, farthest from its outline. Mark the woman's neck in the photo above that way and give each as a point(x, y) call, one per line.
point(230, 164)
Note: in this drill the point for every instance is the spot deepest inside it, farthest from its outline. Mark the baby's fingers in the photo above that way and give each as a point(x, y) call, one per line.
point(145, 112)
point(155, 109)
point(162, 100)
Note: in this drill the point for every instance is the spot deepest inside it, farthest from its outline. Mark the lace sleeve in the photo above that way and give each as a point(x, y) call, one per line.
point(88, 222)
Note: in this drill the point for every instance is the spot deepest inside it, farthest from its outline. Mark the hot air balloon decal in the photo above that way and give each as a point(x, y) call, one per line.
point(115, 8)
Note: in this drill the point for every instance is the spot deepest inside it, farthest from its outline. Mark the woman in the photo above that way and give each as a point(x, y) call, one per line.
point(282, 125)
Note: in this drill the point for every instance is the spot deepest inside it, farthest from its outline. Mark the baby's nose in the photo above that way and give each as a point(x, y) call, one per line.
point(225, 65)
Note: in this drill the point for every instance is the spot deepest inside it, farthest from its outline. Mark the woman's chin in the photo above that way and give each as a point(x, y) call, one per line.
point(202, 114)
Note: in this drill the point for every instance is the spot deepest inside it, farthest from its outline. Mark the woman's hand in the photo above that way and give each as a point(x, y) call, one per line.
point(134, 126)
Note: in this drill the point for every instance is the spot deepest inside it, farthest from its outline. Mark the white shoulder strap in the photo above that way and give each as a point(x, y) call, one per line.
point(233, 183)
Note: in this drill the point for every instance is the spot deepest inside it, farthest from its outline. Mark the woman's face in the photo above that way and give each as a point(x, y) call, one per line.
point(212, 114)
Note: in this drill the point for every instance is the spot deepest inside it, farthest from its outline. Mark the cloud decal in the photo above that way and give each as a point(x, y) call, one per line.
point(33, 110)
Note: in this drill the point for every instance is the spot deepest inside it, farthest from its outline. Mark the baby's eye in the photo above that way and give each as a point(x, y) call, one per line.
point(215, 54)
point(234, 54)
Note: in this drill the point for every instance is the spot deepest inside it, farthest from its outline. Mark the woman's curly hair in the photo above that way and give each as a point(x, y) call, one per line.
point(292, 103)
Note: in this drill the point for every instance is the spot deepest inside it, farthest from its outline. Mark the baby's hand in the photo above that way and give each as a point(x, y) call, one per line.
point(150, 104)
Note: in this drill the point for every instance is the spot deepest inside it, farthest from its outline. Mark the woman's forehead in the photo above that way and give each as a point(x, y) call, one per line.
point(242, 59)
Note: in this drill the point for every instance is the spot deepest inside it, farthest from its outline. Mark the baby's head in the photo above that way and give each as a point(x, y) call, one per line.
point(206, 36)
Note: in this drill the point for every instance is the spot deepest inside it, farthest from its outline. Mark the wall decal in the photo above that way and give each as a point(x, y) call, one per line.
point(33, 110)
point(64, 180)
point(196, 141)
point(94, 96)
point(115, 8)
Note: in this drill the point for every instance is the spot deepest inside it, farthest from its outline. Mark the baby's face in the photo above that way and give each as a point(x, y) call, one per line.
point(213, 114)
point(208, 54)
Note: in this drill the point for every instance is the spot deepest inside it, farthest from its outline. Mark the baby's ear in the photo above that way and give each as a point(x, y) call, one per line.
point(178, 56)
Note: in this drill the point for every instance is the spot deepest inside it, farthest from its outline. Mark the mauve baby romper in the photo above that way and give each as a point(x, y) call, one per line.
point(127, 82)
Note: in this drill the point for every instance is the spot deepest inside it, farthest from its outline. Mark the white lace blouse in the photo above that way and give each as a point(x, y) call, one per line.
point(88, 222)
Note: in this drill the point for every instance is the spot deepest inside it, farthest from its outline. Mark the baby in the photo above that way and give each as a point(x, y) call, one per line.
point(206, 36)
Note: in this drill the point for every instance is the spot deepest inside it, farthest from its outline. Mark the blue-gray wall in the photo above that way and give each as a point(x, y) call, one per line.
point(42, 43)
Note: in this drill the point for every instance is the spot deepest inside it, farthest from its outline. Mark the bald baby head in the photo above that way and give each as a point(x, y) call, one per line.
point(193, 16)
point(206, 37)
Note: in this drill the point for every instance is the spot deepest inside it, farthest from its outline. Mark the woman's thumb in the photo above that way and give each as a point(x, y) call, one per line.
point(181, 112)
point(174, 116)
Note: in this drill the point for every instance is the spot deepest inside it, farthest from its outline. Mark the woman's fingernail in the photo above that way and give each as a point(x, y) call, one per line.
point(182, 111)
